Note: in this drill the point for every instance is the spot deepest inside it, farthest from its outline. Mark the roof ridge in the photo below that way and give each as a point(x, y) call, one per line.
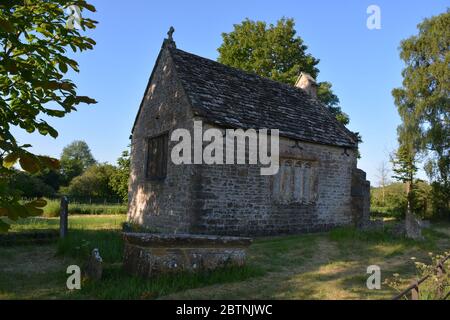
point(288, 86)
point(291, 87)
point(230, 96)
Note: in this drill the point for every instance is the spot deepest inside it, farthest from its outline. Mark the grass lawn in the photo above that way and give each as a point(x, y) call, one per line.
point(53, 207)
point(315, 266)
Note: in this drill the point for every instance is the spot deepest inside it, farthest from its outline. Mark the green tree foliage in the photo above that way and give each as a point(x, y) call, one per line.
point(328, 98)
point(275, 52)
point(30, 186)
point(33, 86)
point(404, 166)
point(392, 201)
point(94, 182)
point(423, 101)
point(389, 200)
point(50, 177)
point(119, 178)
point(75, 159)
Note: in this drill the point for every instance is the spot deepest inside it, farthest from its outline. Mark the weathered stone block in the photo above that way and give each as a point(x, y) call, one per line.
point(360, 193)
point(147, 254)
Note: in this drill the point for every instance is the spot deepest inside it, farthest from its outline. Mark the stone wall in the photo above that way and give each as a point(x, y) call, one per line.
point(237, 200)
point(360, 198)
point(163, 205)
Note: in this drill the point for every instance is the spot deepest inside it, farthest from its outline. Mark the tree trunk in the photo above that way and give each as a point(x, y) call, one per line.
point(412, 225)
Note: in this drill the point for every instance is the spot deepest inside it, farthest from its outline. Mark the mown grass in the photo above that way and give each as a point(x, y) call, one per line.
point(330, 265)
point(85, 233)
point(351, 236)
point(19, 285)
point(275, 253)
point(313, 266)
point(97, 222)
point(52, 208)
point(103, 232)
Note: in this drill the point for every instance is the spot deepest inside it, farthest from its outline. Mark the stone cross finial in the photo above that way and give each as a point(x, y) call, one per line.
point(170, 33)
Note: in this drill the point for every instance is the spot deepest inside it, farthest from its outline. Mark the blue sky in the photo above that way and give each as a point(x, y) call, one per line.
point(363, 65)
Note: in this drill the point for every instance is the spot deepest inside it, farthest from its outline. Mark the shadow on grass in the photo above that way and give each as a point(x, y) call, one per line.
point(327, 265)
point(275, 253)
point(117, 284)
point(47, 285)
point(381, 242)
point(344, 275)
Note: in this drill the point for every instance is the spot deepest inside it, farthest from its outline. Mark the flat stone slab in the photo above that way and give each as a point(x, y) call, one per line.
point(148, 254)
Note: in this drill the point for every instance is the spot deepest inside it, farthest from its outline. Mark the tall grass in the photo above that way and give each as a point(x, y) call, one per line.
point(116, 284)
point(53, 207)
point(79, 244)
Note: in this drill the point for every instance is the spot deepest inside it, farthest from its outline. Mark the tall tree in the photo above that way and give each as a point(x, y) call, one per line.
point(383, 179)
point(33, 63)
point(119, 178)
point(404, 164)
point(50, 177)
point(275, 52)
point(75, 159)
point(29, 185)
point(94, 182)
point(423, 101)
point(404, 167)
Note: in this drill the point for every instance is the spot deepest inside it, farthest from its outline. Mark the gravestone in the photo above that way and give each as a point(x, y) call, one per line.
point(93, 269)
point(413, 229)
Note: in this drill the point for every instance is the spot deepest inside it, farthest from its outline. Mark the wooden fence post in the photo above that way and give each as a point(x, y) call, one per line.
point(440, 271)
point(414, 286)
point(63, 217)
point(415, 290)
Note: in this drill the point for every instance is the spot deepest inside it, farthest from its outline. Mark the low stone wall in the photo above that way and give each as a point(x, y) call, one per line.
point(360, 193)
point(150, 254)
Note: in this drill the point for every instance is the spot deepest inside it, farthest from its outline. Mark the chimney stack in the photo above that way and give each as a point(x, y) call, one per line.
point(307, 84)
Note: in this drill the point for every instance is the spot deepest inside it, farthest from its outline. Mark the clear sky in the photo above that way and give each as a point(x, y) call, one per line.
point(363, 65)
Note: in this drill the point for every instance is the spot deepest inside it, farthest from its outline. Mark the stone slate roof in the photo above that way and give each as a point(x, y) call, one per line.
point(232, 98)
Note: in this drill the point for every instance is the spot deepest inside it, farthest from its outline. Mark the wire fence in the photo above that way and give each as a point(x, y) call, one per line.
point(86, 200)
